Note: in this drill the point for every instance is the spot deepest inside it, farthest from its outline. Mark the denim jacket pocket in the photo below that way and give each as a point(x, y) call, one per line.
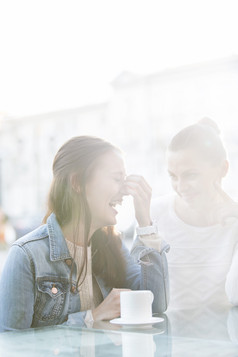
point(50, 298)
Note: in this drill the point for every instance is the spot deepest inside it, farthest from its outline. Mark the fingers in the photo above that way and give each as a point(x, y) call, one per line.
point(116, 292)
point(139, 189)
point(138, 179)
point(137, 186)
point(110, 307)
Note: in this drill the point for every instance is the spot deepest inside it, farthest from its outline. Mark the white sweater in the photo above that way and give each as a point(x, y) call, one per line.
point(203, 261)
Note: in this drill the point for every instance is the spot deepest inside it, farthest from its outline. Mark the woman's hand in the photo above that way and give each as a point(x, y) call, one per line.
point(139, 189)
point(110, 307)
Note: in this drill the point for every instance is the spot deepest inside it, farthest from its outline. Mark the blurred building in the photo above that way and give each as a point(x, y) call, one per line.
point(141, 116)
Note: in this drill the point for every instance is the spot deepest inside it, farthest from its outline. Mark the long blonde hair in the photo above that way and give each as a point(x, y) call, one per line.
point(73, 165)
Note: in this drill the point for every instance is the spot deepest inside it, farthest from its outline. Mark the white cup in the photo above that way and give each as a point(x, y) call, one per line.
point(136, 306)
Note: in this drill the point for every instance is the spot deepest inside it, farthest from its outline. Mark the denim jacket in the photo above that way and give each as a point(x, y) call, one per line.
point(35, 285)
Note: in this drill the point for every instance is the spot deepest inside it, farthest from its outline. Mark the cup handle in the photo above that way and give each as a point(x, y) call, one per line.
point(152, 297)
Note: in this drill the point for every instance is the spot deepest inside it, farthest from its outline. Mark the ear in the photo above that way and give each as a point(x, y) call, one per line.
point(74, 182)
point(224, 168)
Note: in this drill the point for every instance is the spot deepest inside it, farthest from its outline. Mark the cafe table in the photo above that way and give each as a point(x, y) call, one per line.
point(192, 332)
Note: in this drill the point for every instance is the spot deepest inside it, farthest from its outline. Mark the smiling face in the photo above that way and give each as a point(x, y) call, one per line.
point(193, 178)
point(104, 189)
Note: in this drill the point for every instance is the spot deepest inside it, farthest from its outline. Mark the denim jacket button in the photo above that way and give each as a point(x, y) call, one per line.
point(54, 290)
point(68, 262)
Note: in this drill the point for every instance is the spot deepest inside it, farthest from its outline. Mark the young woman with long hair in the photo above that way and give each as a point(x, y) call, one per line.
point(72, 269)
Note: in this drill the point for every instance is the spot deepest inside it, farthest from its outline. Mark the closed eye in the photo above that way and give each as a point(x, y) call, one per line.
point(119, 180)
point(172, 176)
point(191, 175)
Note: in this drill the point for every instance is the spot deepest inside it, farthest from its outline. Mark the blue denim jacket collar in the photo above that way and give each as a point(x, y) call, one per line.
point(58, 246)
point(59, 249)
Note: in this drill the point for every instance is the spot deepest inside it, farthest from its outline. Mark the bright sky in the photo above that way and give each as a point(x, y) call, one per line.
point(58, 54)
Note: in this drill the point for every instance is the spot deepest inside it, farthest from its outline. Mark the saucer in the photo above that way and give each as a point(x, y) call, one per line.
point(152, 320)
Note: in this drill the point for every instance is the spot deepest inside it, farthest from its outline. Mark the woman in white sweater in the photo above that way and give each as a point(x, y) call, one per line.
point(199, 221)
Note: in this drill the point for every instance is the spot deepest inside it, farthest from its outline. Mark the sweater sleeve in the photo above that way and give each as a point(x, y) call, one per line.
point(231, 280)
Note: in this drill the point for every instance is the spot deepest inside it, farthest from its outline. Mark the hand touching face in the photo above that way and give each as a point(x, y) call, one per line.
point(107, 187)
point(139, 189)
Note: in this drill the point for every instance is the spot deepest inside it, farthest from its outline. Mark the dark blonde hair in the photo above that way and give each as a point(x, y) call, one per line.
point(73, 165)
point(203, 137)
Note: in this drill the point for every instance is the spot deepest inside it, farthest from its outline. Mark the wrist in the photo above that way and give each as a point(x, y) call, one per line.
point(144, 221)
point(96, 314)
point(89, 320)
point(147, 230)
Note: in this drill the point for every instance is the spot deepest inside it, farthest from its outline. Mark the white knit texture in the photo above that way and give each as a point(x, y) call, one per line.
point(199, 258)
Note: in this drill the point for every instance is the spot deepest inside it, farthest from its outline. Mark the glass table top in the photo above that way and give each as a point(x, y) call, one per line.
point(198, 332)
